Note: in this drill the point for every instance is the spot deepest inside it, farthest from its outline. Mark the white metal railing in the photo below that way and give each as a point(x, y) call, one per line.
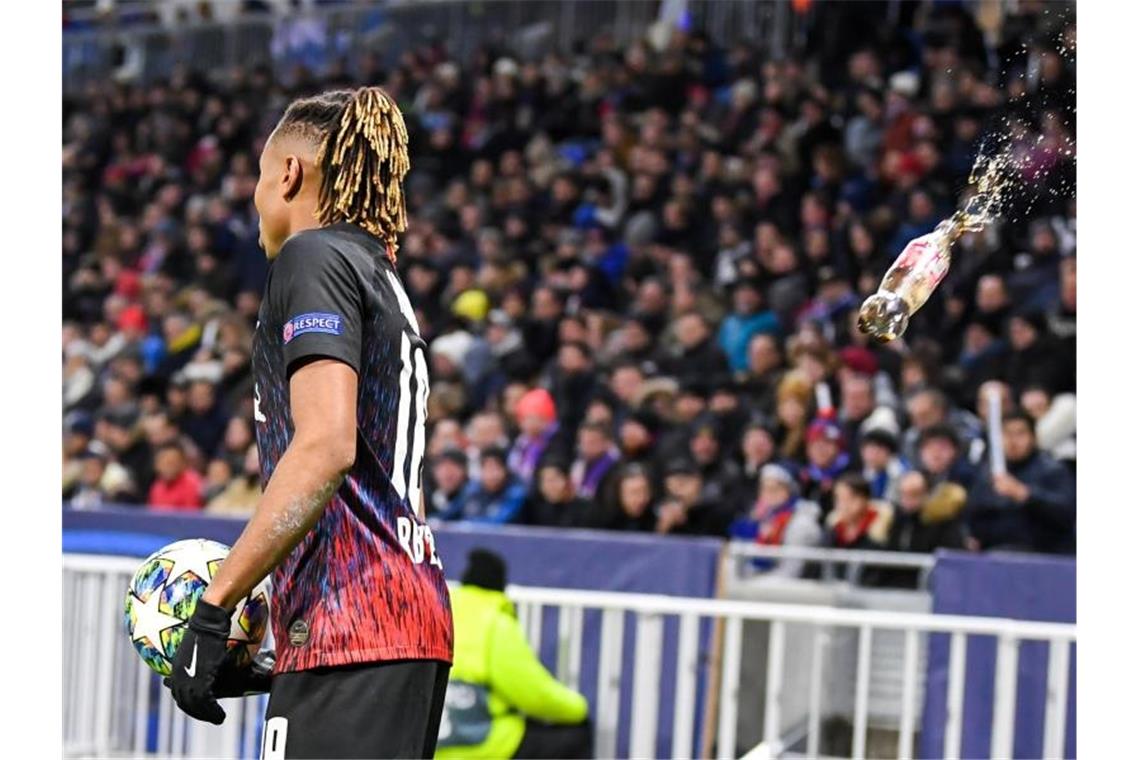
point(114, 706)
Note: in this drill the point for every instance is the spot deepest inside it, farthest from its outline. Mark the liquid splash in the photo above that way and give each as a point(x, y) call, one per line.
point(990, 177)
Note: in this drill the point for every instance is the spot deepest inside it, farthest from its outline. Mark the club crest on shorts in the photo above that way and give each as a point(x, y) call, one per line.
point(299, 633)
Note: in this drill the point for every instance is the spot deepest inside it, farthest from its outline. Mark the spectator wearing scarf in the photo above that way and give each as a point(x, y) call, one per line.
point(538, 425)
point(597, 456)
point(779, 518)
point(826, 461)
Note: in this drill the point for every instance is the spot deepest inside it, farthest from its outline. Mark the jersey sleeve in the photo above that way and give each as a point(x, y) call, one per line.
point(315, 293)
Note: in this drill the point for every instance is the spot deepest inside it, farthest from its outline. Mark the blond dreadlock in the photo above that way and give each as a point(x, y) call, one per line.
point(363, 158)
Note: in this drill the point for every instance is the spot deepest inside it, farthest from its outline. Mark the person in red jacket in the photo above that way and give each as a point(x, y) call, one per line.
point(176, 484)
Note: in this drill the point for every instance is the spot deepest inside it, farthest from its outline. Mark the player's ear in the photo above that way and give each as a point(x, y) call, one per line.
point(292, 178)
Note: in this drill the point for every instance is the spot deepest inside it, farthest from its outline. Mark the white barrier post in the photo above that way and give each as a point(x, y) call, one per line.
point(1057, 699)
point(646, 686)
point(1005, 697)
point(862, 687)
point(729, 688)
point(142, 702)
point(609, 683)
point(775, 683)
point(910, 678)
point(105, 675)
point(685, 693)
point(815, 694)
point(534, 626)
point(955, 691)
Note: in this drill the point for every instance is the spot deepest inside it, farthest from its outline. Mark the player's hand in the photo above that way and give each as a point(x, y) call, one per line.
point(254, 678)
point(198, 662)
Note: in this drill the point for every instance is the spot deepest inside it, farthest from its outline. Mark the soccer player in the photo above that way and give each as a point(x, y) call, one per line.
point(360, 610)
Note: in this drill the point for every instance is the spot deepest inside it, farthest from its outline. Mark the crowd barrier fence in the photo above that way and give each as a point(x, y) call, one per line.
point(113, 705)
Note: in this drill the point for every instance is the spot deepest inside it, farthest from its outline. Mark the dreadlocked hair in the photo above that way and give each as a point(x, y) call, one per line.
point(363, 157)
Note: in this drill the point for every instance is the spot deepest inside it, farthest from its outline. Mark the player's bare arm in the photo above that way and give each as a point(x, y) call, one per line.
point(323, 449)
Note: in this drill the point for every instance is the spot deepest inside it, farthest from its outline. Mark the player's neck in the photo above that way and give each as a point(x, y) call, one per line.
point(303, 219)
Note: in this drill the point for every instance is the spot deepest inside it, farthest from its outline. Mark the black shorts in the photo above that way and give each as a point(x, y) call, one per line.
point(378, 710)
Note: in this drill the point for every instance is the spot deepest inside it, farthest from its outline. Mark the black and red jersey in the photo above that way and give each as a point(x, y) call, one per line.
point(365, 584)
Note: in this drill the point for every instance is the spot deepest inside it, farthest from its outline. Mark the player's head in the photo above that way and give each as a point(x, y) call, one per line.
point(336, 157)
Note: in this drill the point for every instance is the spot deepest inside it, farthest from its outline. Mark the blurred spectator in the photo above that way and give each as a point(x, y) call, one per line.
point(495, 496)
point(720, 474)
point(538, 425)
point(746, 320)
point(882, 468)
point(176, 484)
point(696, 357)
point(762, 376)
point(940, 459)
point(757, 449)
point(1032, 507)
point(116, 427)
point(592, 472)
point(1030, 354)
point(634, 507)
point(218, 475)
point(1055, 422)
point(100, 481)
point(779, 517)
point(927, 519)
point(793, 399)
point(826, 461)
point(637, 438)
point(553, 502)
point(448, 484)
point(682, 510)
point(485, 431)
point(857, 521)
point(240, 496)
point(927, 407)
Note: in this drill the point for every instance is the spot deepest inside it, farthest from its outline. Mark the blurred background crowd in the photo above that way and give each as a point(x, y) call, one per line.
point(637, 268)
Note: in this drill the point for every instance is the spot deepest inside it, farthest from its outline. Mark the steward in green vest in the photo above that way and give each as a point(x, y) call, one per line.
point(501, 701)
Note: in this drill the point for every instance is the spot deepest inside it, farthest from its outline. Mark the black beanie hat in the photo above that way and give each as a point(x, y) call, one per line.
point(485, 569)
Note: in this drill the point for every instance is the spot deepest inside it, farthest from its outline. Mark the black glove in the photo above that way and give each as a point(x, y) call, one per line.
point(198, 662)
point(254, 678)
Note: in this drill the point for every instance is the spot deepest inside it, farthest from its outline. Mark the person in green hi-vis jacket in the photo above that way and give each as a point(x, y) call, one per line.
point(501, 702)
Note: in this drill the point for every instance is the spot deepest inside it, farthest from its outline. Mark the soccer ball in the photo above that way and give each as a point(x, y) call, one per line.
point(164, 592)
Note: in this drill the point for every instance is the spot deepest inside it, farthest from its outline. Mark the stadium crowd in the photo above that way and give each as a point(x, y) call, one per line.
point(637, 270)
